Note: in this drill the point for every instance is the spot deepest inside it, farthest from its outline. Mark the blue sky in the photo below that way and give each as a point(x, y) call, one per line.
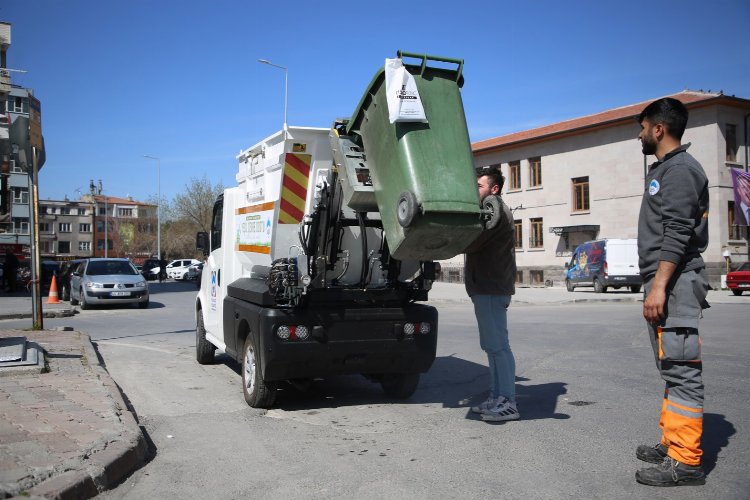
point(179, 79)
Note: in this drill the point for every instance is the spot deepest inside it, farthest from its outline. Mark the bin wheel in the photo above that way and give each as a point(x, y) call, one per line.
point(491, 210)
point(407, 208)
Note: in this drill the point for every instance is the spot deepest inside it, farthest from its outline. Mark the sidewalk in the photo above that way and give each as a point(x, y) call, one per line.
point(18, 305)
point(65, 433)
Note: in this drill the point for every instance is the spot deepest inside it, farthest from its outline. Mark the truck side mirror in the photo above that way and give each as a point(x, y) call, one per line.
point(201, 242)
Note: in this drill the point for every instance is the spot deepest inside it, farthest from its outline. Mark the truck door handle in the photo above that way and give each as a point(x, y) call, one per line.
point(218, 277)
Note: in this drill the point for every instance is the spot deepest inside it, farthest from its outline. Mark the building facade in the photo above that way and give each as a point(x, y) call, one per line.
point(583, 179)
point(79, 229)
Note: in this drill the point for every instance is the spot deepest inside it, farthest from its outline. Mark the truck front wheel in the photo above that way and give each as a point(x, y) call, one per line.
point(400, 385)
point(258, 393)
point(204, 350)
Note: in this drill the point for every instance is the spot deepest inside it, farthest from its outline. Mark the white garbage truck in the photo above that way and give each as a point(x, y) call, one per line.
point(318, 259)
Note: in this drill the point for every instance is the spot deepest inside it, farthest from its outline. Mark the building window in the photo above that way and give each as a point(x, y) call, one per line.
point(81, 211)
point(519, 277)
point(100, 244)
point(18, 104)
point(47, 246)
point(84, 246)
point(15, 169)
point(102, 211)
point(21, 195)
point(535, 171)
point(125, 212)
point(518, 226)
point(65, 211)
point(536, 239)
point(537, 276)
point(63, 247)
point(580, 194)
point(63, 227)
point(44, 227)
point(514, 175)
point(20, 225)
point(735, 231)
point(84, 228)
point(730, 134)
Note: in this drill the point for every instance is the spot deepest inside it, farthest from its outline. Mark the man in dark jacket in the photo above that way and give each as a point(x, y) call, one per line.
point(490, 276)
point(672, 234)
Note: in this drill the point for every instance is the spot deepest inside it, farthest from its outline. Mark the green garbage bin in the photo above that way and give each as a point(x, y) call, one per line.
point(422, 174)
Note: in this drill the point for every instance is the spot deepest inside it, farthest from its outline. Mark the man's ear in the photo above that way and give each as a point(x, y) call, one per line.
point(495, 189)
point(659, 131)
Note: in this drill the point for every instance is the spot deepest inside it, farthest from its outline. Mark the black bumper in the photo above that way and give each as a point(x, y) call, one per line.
point(627, 280)
point(343, 340)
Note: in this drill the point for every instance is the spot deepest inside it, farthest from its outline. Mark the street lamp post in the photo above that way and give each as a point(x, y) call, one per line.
point(158, 205)
point(286, 88)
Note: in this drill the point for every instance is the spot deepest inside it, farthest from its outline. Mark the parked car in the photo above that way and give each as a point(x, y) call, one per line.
point(63, 280)
point(150, 269)
point(604, 263)
point(108, 281)
point(739, 280)
point(194, 273)
point(177, 269)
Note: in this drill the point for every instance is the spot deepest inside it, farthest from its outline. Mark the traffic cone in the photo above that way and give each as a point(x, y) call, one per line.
point(52, 299)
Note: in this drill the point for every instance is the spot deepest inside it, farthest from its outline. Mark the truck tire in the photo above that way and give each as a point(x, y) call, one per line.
point(258, 393)
point(204, 350)
point(491, 206)
point(635, 288)
point(399, 385)
point(569, 285)
point(407, 208)
point(599, 286)
point(737, 291)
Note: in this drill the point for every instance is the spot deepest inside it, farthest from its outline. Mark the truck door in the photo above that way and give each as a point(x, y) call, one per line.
point(215, 287)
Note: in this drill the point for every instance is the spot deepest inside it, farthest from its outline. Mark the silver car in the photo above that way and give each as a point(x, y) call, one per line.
point(107, 281)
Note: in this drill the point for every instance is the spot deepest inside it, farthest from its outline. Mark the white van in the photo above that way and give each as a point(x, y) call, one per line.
point(603, 264)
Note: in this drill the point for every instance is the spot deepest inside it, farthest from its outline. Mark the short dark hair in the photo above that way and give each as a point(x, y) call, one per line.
point(494, 173)
point(669, 112)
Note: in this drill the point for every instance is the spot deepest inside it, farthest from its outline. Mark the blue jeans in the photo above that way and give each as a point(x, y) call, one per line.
point(492, 318)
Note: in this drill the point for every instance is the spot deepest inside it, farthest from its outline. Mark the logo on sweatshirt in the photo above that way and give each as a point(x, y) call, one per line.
point(653, 187)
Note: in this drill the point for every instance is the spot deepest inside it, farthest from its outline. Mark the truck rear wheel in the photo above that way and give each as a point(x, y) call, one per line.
point(204, 350)
point(258, 393)
point(400, 385)
point(599, 286)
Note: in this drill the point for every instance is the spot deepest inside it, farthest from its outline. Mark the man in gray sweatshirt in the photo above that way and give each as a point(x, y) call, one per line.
point(672, 234)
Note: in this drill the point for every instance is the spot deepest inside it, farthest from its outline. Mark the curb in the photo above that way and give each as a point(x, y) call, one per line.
point(106, 463)
point(58, 313)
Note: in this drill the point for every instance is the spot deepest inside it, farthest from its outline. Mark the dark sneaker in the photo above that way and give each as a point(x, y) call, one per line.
point(651, 454)
point(672, 473)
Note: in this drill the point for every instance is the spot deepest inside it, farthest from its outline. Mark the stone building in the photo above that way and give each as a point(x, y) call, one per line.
point(583, 179)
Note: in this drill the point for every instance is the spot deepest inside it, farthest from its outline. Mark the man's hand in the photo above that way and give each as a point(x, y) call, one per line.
point(653, 305)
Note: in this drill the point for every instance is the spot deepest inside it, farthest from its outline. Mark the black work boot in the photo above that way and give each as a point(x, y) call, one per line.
point(651, 454)
point(672, 473)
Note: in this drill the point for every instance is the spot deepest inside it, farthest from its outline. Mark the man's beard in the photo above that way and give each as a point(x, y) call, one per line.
point(648, 146)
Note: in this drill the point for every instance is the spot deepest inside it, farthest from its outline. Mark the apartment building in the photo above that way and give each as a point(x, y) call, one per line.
point(583, 179)
point(127, 226)
point(66, 229)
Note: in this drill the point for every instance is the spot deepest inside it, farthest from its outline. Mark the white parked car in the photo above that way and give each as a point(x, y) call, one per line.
point(177, 269)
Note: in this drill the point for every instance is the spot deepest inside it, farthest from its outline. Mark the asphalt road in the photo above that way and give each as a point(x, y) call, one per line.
point(587, 387)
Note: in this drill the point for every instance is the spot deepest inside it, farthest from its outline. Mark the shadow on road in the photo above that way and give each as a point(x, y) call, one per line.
point(716, 433)
point(451, 382)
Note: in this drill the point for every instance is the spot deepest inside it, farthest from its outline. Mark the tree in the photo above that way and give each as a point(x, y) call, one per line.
point(195, 205)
